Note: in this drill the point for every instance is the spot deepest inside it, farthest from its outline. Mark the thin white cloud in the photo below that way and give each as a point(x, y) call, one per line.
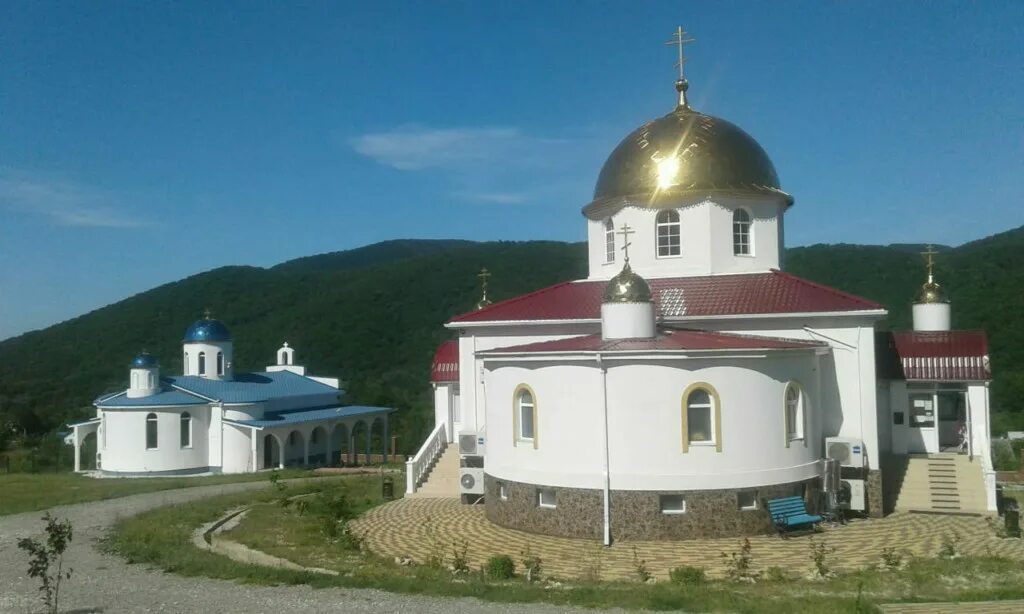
point(500, 165)
point(62, 202)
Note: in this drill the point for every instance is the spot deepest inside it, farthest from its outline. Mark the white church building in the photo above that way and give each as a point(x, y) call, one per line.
point(211, 419)
point(688, 378)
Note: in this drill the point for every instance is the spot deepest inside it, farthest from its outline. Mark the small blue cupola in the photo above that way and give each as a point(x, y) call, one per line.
point(207, 349)
point(145, 376)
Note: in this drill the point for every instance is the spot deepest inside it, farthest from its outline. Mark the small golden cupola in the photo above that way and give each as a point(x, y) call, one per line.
point(627, 308)
point(931, 310)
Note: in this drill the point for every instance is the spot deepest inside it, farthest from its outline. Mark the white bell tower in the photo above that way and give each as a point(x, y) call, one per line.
point(931, 310)
point(145, 376)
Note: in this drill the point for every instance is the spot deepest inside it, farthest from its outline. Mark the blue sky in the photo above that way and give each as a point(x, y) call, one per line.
point(142, 142)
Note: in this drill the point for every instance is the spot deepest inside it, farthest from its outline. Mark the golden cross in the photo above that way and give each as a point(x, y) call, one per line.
point(679, 38)
point(929, 253)
point(625, 232)
point(483, 275)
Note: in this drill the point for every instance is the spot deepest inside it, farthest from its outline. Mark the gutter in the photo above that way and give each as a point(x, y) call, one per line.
point(607, 460)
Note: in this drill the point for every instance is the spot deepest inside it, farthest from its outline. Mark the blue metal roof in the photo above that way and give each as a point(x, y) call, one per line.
point(253, 387)
point(288, 418)
point(207, 329)
point(164, 397)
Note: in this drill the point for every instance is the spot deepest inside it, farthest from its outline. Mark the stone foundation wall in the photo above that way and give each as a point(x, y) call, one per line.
point(874, 493)
point(637, 514)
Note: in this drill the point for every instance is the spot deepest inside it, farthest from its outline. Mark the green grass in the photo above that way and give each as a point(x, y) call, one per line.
point(28, 492)
point(161, 538)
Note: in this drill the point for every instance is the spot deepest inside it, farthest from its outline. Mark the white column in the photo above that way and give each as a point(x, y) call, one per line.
point(305, 449)
point(254, 457)
point(327, 444)
point(78, 451)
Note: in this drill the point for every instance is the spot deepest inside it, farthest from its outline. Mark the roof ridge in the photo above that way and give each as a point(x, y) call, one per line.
point(835, 291)
point(749, 336)
point(512, 300)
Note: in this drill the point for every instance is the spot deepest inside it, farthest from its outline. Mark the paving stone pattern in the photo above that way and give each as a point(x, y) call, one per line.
point(420, 527)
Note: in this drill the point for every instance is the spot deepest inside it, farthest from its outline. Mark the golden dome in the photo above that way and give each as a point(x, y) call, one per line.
point(627, 287)
point(680, 153)
point(931, 292)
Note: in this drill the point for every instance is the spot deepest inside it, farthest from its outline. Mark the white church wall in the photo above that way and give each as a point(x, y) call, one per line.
point(706, 240)
point(978, 404)
point(243, 411)
point(444, 400)
point(191, 359)
point(126, 440)
point(848, 374)
point(487, 338)
point(237, 457)
point(645, 427)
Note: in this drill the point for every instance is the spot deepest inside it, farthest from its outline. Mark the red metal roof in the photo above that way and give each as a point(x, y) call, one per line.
point(682, 340)
point(676, 297)
point(446, 363)
point(957, 355)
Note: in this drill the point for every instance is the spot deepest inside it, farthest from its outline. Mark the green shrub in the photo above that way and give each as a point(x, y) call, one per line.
point(1003, 458)
point(500, 567)
point(684, 574)
point(777, 574)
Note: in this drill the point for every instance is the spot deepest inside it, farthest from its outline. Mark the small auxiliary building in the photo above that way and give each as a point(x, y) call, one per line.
point(688, 378)
point(214, 420)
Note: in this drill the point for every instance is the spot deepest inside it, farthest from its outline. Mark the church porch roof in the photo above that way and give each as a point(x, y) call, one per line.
point(773, 292)
point(672, 340)
point(955, 355)
point(303, 416)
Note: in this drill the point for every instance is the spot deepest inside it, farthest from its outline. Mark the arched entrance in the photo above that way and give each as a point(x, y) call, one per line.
point(318, 447)
point(339, 445)
point(271, 452)
point(294, 449)
point(87, 452)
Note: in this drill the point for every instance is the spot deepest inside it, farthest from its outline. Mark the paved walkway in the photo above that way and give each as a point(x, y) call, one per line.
point(418, 527)
point(104, 583)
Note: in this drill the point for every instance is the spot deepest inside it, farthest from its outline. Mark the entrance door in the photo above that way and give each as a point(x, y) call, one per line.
point(922, 437)
point(952, 420)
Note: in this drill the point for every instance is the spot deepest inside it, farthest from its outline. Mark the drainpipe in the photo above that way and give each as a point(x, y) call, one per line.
point(607, 464)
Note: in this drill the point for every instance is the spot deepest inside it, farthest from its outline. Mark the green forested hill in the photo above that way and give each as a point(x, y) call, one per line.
point(374, 315)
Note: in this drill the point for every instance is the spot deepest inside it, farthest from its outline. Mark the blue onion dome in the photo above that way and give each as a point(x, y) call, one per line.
point(207, 329)
point(144, 360)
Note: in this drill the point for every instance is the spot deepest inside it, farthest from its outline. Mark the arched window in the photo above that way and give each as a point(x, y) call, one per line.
point(186, 430)
point(202, 363)
point(151, 438)
point(741, 232)
point(152, 380)
point(667, 226)
point(184, 364)
point(220, 363)
point(609, 241)
point(702, 425)
point(525, 417)
point(283, 360)
point(794, 408)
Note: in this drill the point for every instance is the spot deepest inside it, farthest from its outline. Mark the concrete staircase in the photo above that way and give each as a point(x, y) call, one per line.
point(941, 483)
point(443, 478)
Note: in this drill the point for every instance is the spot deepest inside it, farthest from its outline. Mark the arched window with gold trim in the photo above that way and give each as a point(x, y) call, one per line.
point(525, 415)
point(794, 412)
point(701, 417)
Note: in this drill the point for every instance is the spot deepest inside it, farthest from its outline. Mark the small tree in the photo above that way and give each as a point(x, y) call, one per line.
point(46, 560)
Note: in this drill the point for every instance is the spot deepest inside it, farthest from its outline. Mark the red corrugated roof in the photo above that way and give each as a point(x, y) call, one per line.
point(956, 355)
point(691, 340)
point(446, 363)
point(675, 297)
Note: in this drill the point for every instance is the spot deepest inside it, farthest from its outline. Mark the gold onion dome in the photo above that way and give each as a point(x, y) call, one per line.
point(931, 292)
point(683, 153)
point(627, 287)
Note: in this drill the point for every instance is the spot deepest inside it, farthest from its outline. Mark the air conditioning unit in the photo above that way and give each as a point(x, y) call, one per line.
point(471, 444)
point(471, 481)
point(851, 495)
point(847, 452)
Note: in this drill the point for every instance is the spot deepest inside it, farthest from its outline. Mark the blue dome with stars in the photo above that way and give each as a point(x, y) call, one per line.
point(207, 329)
point(144, 360)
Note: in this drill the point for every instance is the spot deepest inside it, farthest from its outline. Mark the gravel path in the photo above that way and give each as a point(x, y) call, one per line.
point(105, 583)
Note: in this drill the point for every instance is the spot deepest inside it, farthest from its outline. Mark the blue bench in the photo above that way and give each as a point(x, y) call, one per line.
point(790, 514)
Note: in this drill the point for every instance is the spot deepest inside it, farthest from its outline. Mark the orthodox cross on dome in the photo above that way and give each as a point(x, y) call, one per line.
point(929, 254)
point(680, 39)
point(625, 232)
point(207, 314)
point(483, 275)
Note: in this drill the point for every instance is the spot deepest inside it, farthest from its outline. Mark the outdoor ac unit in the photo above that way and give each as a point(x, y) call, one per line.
point(848, 452)
point(851, 495)
point(471, 444)
point(471, 481)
